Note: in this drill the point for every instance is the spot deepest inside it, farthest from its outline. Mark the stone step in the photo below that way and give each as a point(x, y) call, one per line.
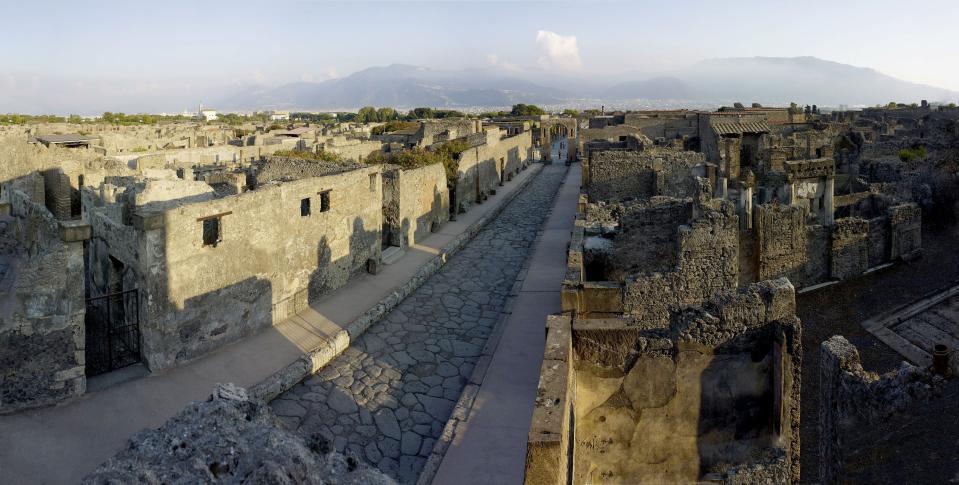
point(391, 254)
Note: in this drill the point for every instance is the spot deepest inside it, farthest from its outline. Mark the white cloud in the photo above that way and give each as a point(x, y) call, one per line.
point(324, 75)
point(494, 61)
point(558, 51)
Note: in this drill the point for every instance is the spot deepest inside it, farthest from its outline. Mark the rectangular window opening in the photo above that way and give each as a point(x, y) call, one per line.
point(211, 231)
point(372, 182)
point(304, 207)
point(324, 201)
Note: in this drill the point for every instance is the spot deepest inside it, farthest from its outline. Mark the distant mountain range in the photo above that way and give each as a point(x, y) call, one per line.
point(770, 80)
point(399, 86)
point(709, 83)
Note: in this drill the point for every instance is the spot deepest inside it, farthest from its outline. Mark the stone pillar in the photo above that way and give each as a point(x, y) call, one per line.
point(746, 208)
point(828, 205)
point(722, 187)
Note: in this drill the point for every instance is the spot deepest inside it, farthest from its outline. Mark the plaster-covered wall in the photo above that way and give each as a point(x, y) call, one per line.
point(270, 263)
point(482, 168)
point(417, 202)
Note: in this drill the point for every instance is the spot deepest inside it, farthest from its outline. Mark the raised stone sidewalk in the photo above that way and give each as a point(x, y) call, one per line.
point(62, 444)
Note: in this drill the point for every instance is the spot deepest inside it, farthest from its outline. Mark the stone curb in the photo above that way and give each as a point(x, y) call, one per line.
point(316, 359)
point(464, 405)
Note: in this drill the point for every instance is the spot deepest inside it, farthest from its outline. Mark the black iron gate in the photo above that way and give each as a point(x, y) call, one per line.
point(113, 331)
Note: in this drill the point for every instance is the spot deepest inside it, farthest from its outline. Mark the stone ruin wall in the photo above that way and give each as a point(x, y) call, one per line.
point(851, 398)
point(647, 238)
point(708, 262)
point(483, 167)
point(279, 169)
point(416, 203)
point(785, 245)
point(615, 174)
point(42, 325)
point(252, 279)
point(220, 154)
point(672, 404)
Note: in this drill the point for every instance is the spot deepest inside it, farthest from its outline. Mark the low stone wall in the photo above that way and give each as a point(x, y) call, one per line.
point(851, 398)
point(42, 308)
point(230, 438)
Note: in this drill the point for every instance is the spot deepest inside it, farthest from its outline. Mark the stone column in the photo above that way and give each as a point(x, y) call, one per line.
point(828, 206)
point(746, 208)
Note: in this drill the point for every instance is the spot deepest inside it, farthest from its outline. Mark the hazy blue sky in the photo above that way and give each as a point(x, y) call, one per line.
point(275, 42)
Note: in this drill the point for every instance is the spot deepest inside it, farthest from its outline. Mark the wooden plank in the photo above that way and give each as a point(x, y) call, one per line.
point(945, 324)
point(933, 333)
point(904, 347)
point(909, 332)
point(948, 312)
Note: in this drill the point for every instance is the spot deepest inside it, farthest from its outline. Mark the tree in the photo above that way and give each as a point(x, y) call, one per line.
point(366, 114)
point(421, 114)
point(892, 104)
point(386, 114)
point(571, 113)
point(527, 110)
point(74, 119)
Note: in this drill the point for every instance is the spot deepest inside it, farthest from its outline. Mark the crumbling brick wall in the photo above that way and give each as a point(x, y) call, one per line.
point(850, 398)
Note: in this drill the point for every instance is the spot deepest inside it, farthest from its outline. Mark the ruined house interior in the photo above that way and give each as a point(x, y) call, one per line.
point(680, 353)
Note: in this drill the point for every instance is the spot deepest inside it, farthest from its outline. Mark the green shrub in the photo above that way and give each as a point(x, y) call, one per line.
point(394, 125)
point(910, 154)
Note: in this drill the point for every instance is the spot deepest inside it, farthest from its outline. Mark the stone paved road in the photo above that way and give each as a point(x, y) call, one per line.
point(387, 398)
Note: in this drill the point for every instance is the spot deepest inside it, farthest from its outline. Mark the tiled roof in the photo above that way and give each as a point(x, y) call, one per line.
point(737, 128)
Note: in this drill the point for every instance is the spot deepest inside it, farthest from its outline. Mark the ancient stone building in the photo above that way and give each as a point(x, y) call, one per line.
point(709, 394)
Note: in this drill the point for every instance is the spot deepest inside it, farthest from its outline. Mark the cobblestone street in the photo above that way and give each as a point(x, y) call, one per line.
point(387, 398)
